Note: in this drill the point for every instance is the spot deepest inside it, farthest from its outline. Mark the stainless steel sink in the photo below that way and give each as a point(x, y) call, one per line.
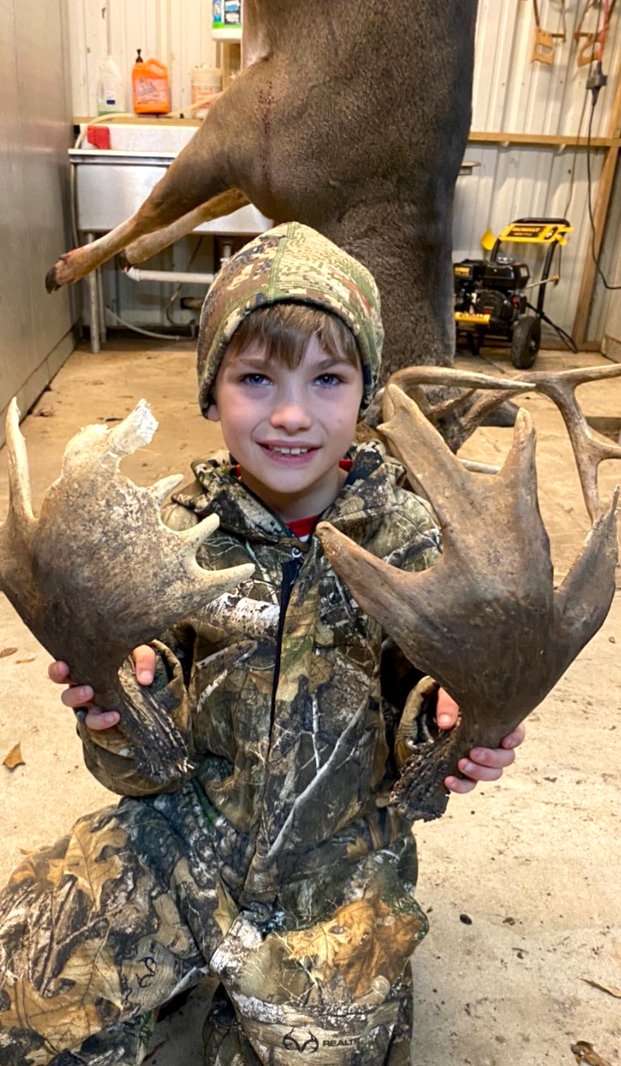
point(112, 183)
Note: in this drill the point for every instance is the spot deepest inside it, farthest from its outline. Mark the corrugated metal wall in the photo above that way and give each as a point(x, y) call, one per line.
point(178, 32)
point(611, 264)
point(511, 94)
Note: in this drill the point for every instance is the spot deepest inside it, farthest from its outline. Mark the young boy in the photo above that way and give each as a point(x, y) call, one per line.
point(277, 865)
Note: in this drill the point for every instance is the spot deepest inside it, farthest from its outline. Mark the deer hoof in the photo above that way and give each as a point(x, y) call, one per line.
point(50, 280)
point(62, 273)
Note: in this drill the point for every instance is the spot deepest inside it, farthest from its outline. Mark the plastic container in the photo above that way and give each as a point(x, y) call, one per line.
point(206, 84)
point(98, 136)
point(110, 88)
point(150, 87)
point(227, 15)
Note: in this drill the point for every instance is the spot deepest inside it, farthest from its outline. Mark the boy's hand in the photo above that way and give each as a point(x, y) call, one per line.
point(80, 696)
point(484, 764)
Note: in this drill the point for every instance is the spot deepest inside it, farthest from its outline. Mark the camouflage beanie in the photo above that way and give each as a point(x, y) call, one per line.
point(290, 264)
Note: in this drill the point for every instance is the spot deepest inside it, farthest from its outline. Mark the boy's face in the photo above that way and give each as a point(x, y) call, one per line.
point(288, 429)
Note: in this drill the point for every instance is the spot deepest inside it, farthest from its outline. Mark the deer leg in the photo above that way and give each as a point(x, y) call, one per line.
point(197, 175)
point(146, 247)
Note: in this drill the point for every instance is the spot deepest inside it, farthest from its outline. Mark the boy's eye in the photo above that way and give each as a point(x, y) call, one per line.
point(328, 379)
point(254, 379)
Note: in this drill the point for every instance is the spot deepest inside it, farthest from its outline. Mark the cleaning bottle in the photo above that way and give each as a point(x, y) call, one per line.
point(110, 88)
point(150, 86)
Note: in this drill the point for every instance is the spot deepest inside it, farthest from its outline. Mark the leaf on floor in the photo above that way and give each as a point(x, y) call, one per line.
point(610, 989)
point(7, 651)
point(14, 758)
point(585, 1052)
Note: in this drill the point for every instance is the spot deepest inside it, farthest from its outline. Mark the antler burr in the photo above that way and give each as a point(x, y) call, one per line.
point(99, 573)
point(485, 621)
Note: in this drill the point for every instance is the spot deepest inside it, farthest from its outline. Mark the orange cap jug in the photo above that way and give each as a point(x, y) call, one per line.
point(150, 87)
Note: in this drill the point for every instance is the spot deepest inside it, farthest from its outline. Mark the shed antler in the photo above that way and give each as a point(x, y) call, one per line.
point(590, 449)
point(485, 621)
point(99, 573)
point(427, 385)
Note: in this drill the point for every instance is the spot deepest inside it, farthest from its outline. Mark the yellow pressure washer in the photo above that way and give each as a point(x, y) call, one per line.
point(490, 294)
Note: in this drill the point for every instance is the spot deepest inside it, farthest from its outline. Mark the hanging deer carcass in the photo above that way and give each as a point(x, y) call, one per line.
point(350, 117)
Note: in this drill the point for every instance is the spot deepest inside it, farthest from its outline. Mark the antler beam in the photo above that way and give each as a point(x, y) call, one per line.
point(590, 449)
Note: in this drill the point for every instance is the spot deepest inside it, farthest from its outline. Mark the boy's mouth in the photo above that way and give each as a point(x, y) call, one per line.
point(289, 452)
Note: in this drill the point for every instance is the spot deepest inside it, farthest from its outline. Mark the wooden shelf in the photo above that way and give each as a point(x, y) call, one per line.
point(227, 33)
point(136, 120)
point(540, 140)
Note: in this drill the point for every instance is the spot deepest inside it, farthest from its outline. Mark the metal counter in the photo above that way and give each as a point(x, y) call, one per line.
point(111, 186)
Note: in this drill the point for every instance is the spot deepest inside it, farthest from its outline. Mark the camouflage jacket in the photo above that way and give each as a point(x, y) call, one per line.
point(288, 726)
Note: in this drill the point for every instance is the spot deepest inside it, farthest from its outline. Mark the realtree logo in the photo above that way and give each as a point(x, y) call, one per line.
point(306, 1043)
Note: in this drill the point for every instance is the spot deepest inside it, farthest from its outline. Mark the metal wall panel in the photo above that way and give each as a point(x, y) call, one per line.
point(513, 94)
point(607, 302)
point(35, 131)
point(178, 32)
point(513, 183)
point(510, 94)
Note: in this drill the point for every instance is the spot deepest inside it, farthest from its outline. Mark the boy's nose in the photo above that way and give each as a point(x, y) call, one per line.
point(291, 416)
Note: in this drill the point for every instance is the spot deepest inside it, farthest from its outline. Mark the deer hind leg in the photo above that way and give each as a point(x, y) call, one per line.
point(146, 247)
point(193, 179)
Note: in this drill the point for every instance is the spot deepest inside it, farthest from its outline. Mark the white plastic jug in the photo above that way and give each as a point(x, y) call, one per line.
point(110, 88)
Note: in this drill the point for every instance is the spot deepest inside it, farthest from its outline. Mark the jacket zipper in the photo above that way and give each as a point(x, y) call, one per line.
point(290, 571)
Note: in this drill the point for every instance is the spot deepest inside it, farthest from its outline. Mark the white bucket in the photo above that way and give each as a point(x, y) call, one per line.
point(206, 84)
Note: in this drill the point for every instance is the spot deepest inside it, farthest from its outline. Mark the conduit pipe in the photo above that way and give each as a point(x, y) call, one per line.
point(177, 276)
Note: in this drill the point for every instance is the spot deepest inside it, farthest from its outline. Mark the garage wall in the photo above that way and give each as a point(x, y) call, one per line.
point(35, 129)
point(610, 301)
point(178, 32)
point(510, 94)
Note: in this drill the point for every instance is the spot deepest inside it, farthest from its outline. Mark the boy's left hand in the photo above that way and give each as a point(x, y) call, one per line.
point(484, 764)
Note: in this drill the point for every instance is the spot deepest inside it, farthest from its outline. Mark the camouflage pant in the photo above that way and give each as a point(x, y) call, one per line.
point(131, 908)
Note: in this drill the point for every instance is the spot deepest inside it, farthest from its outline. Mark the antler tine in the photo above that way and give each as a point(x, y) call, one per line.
point(584, 597)
point(136, 430)
point(589, 449)
point(410, 376)
point(471, 411)
point(19, 472)
point(417, 443)
point(162, 489)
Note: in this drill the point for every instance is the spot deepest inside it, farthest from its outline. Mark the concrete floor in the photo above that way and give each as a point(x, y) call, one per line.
point(535, 862)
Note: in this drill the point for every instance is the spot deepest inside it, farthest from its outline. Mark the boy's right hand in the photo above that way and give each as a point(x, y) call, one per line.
point(80, 696)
